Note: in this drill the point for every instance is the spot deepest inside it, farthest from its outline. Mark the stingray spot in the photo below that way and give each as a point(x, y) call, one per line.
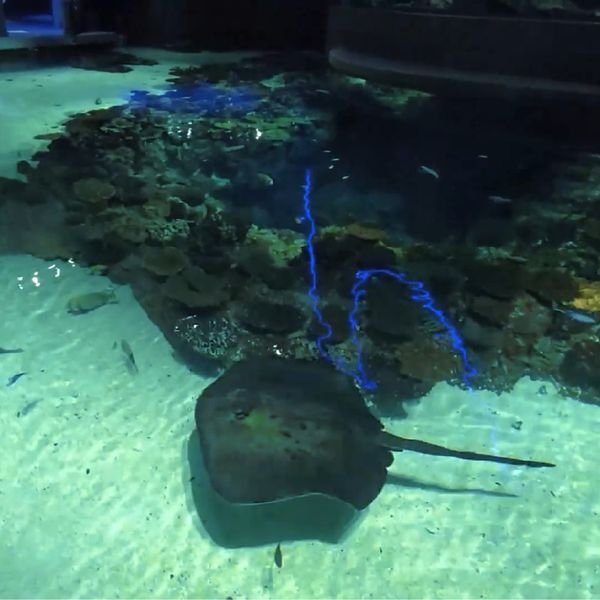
point(286, 434)
point(240, 414)
point(303, 426)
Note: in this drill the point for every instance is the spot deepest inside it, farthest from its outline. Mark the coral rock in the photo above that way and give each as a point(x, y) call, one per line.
point(212, 338)
point(369, 233)
point(588, 297)
point(163, 261)
point(93, 190)
point(425, 360)
point(214, 294)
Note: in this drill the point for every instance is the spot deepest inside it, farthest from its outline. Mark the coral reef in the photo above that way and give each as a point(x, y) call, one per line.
point(588, 297)
point(193, 198)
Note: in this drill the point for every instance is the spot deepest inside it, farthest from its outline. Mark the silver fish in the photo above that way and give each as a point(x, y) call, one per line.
point(500, 199)
point(578, 316)
point(429, 171)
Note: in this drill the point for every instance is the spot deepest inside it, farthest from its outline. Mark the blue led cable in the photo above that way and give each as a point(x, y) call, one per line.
point(418, 294)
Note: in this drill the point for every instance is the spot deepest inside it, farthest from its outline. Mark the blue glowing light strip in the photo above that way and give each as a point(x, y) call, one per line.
point(339, 363)
point(419, 294)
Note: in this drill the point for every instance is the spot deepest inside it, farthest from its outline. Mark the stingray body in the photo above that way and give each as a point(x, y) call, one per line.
point(273, 429)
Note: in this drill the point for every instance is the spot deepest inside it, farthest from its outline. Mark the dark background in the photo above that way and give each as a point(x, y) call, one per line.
point(227, 24)
point(197, 24)
point(17, 8)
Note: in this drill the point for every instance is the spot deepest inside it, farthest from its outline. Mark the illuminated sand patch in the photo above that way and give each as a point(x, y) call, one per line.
point(440, 528)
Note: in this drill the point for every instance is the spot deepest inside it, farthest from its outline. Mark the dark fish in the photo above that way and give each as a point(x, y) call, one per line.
point(12, 380)
point(10, 350)
point(28, 408)
point(128, 352)
point(278, 557)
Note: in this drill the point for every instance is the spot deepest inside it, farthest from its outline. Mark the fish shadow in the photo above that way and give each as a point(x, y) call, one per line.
point(409, 482)
point(229, 525)
point(313, 516)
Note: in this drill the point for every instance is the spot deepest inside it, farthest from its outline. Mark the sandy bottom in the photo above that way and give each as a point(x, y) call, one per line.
point(96, 498)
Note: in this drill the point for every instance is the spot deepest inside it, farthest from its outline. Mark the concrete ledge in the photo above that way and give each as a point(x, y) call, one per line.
point(464, 54)
point(455, 82)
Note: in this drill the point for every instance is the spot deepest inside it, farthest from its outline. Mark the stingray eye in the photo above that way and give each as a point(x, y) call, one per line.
point(240, 414)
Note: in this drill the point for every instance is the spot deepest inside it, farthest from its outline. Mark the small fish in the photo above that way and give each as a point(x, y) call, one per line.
point(264, 180)
point(429, 171)
point(11, 350)
point(578, 316)
point(12, 380)
point(500, 199)
point(278, 557)
point(28, 408)
point(130, 358)
point(98, 269)
point(48, 136)
point(516, 259)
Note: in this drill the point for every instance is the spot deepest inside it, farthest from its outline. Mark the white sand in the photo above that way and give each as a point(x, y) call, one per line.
point(129, 527)
point(122, 529)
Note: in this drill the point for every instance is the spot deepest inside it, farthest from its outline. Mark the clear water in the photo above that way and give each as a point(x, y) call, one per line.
point(163, 224)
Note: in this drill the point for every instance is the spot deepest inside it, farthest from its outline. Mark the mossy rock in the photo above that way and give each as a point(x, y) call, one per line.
point(214, 294)
point(588, 296)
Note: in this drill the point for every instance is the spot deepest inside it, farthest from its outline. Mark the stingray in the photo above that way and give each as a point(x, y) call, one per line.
point(273, 429)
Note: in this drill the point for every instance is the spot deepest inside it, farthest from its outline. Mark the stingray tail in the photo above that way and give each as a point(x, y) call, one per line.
point(398, 444)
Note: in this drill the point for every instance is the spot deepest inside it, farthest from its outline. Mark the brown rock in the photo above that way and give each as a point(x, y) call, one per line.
point(529, 317)
point(553, 285)
point(425, 360)
point(214, 294)
point(491, 310)
point(163, 261)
